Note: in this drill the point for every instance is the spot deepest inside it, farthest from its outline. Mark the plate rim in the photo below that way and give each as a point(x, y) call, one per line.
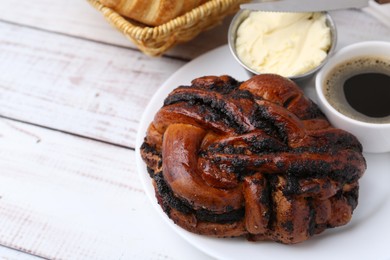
point(152, 107)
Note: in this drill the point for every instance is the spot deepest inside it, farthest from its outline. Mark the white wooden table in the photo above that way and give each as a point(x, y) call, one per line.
point(72, 90)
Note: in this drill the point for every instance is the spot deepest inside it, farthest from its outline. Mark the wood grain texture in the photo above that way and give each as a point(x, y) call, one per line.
point(77, 18)
point(7, 253)
point(64, 197)
point(62, 67)
point(355, 25)
point(97, 90)
point(75, 85)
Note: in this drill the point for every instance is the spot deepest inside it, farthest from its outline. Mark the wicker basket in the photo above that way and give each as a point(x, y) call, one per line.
point(155, 41)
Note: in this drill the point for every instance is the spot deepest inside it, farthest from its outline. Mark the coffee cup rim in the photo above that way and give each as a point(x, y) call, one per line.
point(332, 64)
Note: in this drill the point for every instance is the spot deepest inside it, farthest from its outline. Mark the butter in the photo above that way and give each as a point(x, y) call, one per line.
point(287, 44)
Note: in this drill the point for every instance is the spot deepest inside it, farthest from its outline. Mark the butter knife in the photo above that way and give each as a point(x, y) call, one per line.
point(304, 5)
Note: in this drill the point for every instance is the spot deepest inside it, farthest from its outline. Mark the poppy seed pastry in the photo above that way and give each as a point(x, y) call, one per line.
point(255, 159)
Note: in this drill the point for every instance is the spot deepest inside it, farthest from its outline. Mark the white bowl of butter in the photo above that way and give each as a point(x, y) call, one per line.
point(294, 45)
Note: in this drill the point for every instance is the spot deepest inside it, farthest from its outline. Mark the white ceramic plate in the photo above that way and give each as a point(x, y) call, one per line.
point(365, 237)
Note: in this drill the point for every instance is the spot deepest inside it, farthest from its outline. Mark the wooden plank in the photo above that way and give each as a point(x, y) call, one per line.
point(64, 197)
point(77, 86)
point(97, 90)
point(12, 254)
point(379, 11)
point(78, 18)
point(356, 25)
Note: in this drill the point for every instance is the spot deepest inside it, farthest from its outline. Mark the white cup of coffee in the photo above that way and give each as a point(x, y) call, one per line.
point(353, 91)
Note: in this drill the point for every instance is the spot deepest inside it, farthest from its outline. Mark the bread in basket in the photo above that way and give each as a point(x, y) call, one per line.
point(155, 40)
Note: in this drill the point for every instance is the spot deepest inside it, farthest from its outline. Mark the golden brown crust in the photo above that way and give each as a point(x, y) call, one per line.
point(190, 222)
point(152, 12)
point(255, 159)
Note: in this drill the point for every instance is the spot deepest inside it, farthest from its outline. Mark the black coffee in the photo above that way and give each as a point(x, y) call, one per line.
point(372, 103)
point(360, 89)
